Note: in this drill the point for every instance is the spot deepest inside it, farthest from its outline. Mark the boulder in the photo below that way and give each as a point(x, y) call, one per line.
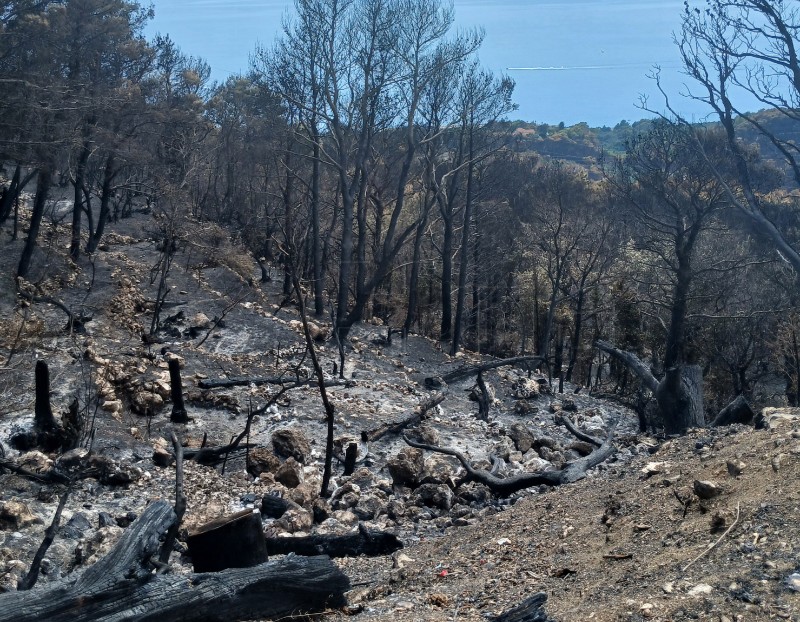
point(14, 515)
point(523, 438)
point(291, 443)
point(369, 507)
point(290, 473)
point(262, 460)
point(441, 469)
point(296, 519)
point(407, 467)
point(524, 407)
point(435, 496)
point(773, 417)
point(525, 389)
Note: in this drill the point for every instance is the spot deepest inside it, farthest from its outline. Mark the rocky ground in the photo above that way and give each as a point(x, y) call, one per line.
point(629, 542)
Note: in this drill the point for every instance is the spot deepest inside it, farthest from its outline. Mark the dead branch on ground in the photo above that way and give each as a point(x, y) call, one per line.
point(572, 471)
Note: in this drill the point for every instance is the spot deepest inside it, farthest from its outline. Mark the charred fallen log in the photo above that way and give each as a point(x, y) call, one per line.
point(466, 372)
point(364, 542)
point(529, 610)
point(572, 471)
point(416, 416)
point(244, 381)
point(122, 586)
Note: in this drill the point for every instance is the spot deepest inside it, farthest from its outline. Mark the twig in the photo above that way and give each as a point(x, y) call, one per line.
point(49, 535)
point(617, 556)
point(704, 553)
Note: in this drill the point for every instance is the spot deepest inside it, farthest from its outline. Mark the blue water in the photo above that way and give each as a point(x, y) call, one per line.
point(572, 60)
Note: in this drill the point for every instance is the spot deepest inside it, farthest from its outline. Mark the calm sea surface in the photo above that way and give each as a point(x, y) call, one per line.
point(572, 60)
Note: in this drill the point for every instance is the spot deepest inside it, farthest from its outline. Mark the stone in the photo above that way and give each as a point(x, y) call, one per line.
point(72, 459)
point(262, 460)
point(15, 515)
point(146, 403)
point(106, 520)
point(706, 489)
point(426, 434)
point(435, 495)
point(296, 519)
point(162, 457)
point(524, 407)
point(369, 507)
point(291, 443)
point(407, 467)
point(771, 417)
point(701, 589)
point(440, 469)
point(525, 389)
point(523, 438)
point(568, 404)
point(535, 464)
point(200, 320)
point(581, 447)
point(735, 467)
point(75, 527)
point(290, 473)
point(34, 461)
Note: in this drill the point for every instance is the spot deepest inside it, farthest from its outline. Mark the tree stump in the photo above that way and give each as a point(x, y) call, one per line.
point(179, 414)
point(235, 541)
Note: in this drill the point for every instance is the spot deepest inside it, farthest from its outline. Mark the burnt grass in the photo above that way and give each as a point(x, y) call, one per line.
point(613, 546)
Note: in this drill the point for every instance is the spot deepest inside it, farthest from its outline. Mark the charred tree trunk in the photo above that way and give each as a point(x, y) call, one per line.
point(465, 372)
point(105, 204)
point(179, 414)
point(529, 610)
point(43, 183)
point(680, 399)
point(77, 206)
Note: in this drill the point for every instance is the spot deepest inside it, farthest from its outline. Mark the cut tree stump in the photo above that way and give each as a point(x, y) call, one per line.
point(123, 587)
point(364, 542)
point(179, 414)
point(235, 541)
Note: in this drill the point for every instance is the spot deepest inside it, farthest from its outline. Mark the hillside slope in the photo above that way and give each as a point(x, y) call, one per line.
point(610, 547)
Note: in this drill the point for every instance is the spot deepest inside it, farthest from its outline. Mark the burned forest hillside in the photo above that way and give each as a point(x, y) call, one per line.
point(421, 540)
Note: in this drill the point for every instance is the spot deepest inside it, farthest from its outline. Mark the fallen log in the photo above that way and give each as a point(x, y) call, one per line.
point(122, 586)
point(416, 416)
point(529, 610)
point(364, 542)
point(465, 372)
point(244, 381)
point(572, 471)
